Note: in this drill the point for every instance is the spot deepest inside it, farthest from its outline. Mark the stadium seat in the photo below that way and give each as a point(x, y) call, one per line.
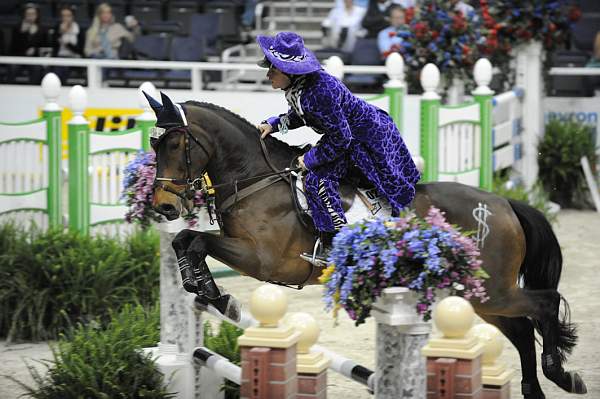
point(170, 27)
point(147, 12)
point(585, 31)
point(365, 52)
point(181, 11)
point(570, 86)
point(205, 27)
point(152, 47)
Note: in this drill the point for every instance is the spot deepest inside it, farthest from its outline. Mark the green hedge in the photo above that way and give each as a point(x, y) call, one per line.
point(104, 363)
point(52, 280)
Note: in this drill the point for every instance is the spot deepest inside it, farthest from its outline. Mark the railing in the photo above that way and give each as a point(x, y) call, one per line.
point(568, 71)
point(94, 67)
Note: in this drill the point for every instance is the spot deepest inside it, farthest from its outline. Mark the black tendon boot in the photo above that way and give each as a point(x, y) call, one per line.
point(210, 294)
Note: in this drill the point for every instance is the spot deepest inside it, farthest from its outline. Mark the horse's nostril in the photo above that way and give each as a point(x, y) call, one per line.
point(167, 208)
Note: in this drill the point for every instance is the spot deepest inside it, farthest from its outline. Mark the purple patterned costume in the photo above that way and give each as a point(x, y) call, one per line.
point(354, 132)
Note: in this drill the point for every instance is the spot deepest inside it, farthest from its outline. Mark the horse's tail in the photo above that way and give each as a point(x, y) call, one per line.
point(542, 266)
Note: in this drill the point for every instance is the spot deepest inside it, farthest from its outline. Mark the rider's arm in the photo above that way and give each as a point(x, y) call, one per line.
point(337, 139)
point(293, 121)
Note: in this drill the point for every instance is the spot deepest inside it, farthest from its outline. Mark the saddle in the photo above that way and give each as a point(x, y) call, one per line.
point(360, 201)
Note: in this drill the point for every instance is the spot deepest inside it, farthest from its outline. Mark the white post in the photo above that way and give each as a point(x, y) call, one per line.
point(78, 102)
point(529, 77)
point(456, 91)
point(394, 66)
point(196, 77)
point(335, 66)
point(148, 114)
point(51, 90)
point(400, 370)
point(430, 79)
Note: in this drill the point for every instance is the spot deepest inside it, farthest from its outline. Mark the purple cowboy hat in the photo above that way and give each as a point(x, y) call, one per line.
point(287, 53)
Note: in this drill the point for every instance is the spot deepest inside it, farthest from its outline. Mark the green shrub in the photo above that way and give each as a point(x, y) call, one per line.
point(559, 161)
point(52, 280)
point(536, 197)
point(225, 344)
point(91, 362)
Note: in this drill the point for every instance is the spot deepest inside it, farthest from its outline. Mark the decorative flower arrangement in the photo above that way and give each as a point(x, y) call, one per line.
point(137, 192)
point(420, 254)
point(438, 33)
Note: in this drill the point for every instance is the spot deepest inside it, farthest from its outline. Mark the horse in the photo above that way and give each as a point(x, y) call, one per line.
point(262, 237)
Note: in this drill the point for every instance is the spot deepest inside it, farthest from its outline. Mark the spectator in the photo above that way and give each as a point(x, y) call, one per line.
point(342, 25)
point(389, 40)
point(28, 37)
point(105, 36)
point(467, 10)
point(376, 18)
point(248, 14)
point(66, 39)
point(594, 62)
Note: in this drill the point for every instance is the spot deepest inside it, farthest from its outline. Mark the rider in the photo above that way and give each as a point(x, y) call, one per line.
point(354, 133)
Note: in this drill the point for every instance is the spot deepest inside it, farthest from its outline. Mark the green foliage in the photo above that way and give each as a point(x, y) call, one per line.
point(559, 161)
point(52, 280)
point(92, 362)
point(536, 197)
point(225, 344)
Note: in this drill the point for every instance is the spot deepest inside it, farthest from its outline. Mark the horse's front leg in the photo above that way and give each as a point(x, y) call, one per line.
point(192, 247)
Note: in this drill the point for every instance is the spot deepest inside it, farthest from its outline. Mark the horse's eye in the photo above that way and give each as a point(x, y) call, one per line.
point(174, 145)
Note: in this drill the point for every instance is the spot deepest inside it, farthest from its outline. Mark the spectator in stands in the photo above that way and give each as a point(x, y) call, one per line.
point(67, 40)
point(248, 15)
point(467, 10)
point(105, 37)
point(342, 25)
point(376, 18)
point(594, 62)
point(28, 37)
point(389, 40)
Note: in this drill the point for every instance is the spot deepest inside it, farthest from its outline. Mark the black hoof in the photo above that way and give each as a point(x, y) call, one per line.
point(226, 305)
point(577, 384)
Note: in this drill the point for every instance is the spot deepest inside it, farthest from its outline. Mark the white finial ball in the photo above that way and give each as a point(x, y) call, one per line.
point(268, 305)
point(483, 72)
point(491, 339)
point(394, 65)
point(454, 316)
point(308, 328)
point(149, 88)
point(51, 86)
point(77, 99)
point(335, 66)
point(430, 77)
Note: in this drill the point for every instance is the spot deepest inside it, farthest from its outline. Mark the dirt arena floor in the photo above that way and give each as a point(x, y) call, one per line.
point(579, 235)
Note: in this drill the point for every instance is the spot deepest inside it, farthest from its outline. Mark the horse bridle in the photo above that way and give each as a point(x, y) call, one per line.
point(191, 184)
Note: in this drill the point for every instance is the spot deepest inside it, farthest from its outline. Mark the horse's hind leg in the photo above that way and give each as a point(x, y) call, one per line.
point(519, 330)
point(558, 336)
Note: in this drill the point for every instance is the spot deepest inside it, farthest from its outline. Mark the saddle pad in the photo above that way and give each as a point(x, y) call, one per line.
point(367, 204)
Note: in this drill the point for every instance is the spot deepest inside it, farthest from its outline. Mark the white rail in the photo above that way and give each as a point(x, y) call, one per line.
point(94, 67)
point(568, 71)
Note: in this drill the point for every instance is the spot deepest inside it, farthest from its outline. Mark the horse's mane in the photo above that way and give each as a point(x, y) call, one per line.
point(275, 145)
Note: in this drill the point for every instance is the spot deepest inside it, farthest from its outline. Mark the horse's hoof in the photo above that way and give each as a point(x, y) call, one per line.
point(577, 384)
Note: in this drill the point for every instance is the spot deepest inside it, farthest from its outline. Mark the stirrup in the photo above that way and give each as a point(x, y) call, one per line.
point(318, 257)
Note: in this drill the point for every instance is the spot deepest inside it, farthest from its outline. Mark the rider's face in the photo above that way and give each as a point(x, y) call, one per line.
point(278, 79)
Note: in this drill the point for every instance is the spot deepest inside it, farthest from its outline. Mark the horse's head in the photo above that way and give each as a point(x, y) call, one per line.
point(182, 154)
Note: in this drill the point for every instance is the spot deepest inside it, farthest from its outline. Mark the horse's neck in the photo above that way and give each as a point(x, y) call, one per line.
point(237, 158)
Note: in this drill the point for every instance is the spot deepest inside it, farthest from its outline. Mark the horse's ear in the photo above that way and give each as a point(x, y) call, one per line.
point(155, 105)
point(170, 112)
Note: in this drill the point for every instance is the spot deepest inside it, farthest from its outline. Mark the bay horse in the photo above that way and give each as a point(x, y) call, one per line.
point(262, 237)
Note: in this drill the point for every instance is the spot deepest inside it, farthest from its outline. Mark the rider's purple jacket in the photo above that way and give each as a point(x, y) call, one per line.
point(353, 131)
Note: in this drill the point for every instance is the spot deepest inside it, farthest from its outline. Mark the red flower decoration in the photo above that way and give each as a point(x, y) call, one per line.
point(574, 14)
point(391, 34)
